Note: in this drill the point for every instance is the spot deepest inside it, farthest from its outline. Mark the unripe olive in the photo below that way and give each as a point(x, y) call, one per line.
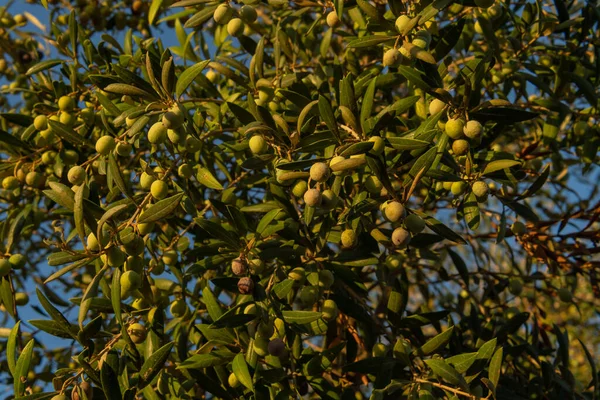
point(276, 347)
point(176, 136)
point(393, 261)
point(515, 286)
point(137, 332)
point(105, 145)
point(480, 189)
point(312, 198)
point(565, 295)
point(379, 350)
point(378, 145)
point(299, 188)
point(34, 179)
point(169, 257)
point(414, 223)
point(67, 119)
point(66, 103)
point(348, 238)
point(258, 144)
point(373, 185)
point(518, 228)
point(222, 14)
point(436, 106)
point(130, 281)
point(40, 122)
point(458, 187)
point(248, 13)
point(239, 267)
point(297, 274)
point(392, 58)
point(159, 189)
point(179, 308)
point(185, 171)
point(473, 129)
point(235, 27)
point(333, 19)
point(173, 118)
point(17, 261)
point(460, 147)
point(319, 172)
point(10, 183)
point(261, 346)
point(5, 267)
point(146, 180)
point(329, 310)
point(309, 295)
point(334, 161)
point(329, 199)
point(76, 175)
point(245, 285)
point(157, 133)
point(123, 149)
point(192, 144)
point(394, 211)
point(402, 22)
point(454, 128)
point(233, 381)
point(60, 397)
point(326, 278)
point(401, 237)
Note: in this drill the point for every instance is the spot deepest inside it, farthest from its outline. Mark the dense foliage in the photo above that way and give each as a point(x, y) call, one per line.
point(268, 200)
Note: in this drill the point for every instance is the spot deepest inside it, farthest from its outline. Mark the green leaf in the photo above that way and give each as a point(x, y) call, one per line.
point(117, 178)
point(154, 364)
point(498, 165)
point(153, 11)
point(42, 66)
point(537, 184)
point(22, 368)
point(366, 106)
point(300, 317)
point(56, 315)
point(283, 288)
point(495, 367)
point(109, 380)
point(66, 133)
point(206, 178)
point(161, 209)
point(421, 166)
point(415, 77)
point(189, 75)
point(327, 114)
point(11, 347)
point(129, 90)
point(266, 220)
point(61, 194)
point(370, 41)
point(52, 327)
point(400, 143)
point(78, 264)
point(447, 373)
point(212, 304)
point(240, 370)
point(115, 295)
point(471, 211)
point(435, 343)
point(212, 359)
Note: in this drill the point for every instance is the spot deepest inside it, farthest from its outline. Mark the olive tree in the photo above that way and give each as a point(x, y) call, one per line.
point(279, 199)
